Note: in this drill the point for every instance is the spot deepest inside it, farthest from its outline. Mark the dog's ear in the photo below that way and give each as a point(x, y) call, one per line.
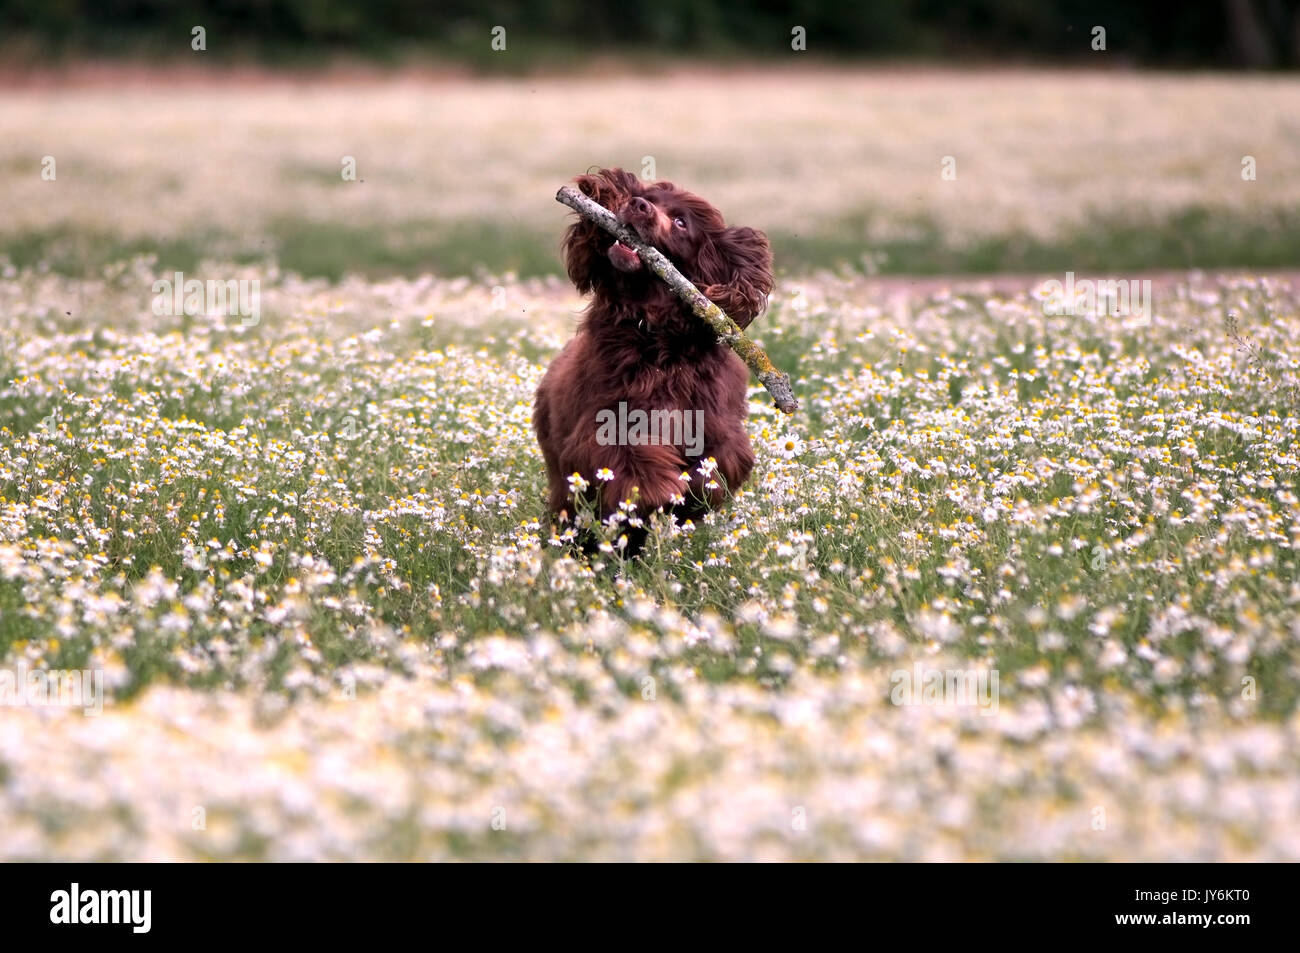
point(736, 271)
point(609, 187)
point(585, 242)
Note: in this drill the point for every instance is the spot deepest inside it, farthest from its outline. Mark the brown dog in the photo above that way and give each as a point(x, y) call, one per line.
point(639, 348)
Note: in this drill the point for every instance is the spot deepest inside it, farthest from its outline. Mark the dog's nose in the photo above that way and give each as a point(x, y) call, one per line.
point(640, 206)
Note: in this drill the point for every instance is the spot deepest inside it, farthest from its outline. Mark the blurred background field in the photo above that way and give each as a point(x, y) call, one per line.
point(1065, 156)
point(842, 168)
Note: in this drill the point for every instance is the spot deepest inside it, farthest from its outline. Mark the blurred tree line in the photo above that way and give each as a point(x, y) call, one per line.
point(1210, 33)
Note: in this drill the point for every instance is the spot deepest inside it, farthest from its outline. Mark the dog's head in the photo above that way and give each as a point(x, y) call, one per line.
point(731, 265)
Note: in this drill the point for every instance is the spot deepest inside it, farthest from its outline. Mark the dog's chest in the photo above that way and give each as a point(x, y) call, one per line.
point(679, 384)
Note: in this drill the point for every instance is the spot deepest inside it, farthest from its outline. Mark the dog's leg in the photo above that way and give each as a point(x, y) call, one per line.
point(734, 458)
point(648, 475)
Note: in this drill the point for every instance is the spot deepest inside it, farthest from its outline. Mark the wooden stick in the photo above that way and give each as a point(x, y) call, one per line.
point(728, 332)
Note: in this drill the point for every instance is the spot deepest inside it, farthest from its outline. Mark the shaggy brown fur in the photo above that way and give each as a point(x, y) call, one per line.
point(639, 344)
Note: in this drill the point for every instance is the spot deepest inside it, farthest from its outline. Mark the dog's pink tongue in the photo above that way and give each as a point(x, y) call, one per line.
point(623, 257)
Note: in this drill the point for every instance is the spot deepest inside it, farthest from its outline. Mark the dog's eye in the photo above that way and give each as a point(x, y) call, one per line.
point(679, 223)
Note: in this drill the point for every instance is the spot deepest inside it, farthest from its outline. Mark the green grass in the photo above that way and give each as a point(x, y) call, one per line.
point(1078, 505)
point(175, 459)
point(1196, 237)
